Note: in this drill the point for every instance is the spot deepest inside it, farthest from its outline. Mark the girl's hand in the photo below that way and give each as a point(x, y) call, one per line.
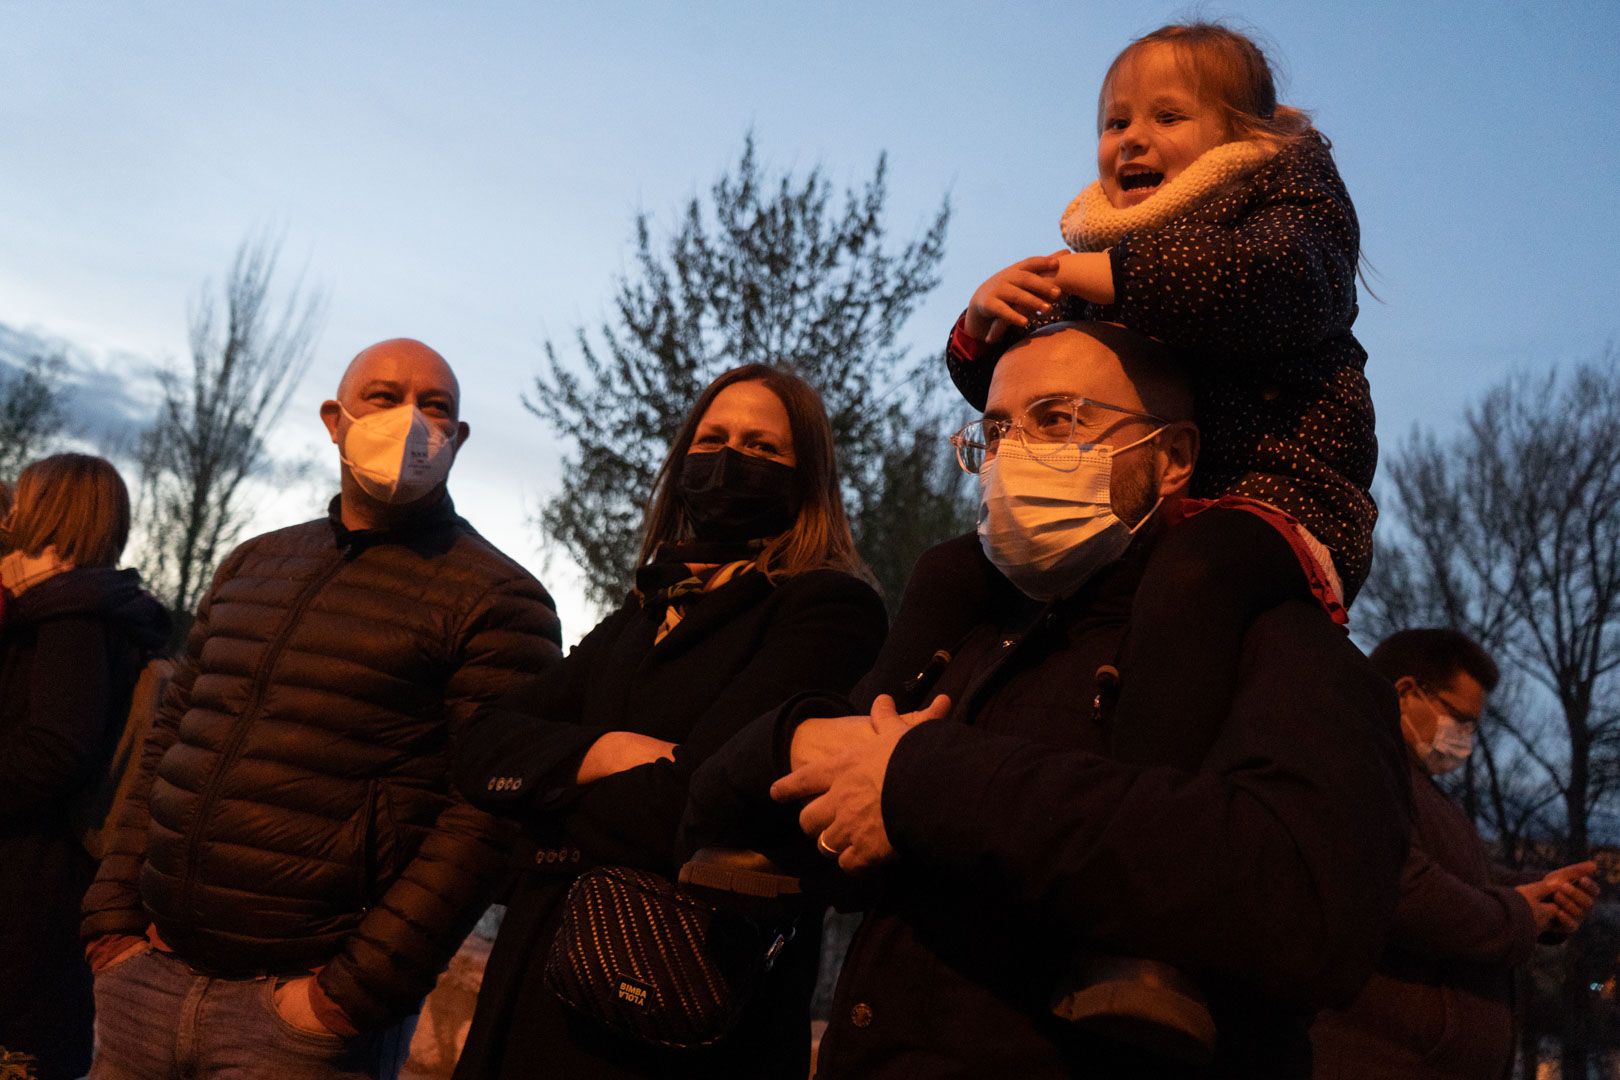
point(1012, 295)
point(1086, 274)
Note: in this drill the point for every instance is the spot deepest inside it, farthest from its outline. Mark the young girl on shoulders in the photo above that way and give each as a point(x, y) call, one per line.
point(1218, 224)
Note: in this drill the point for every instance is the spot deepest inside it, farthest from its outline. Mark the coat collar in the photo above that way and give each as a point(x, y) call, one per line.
point(427, 532)
point(712, 610)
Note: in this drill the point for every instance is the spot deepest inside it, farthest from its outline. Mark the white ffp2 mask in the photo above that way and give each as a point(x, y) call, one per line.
point(396, 455)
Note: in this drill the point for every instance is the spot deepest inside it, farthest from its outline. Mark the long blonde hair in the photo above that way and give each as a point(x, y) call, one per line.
point(819, 537)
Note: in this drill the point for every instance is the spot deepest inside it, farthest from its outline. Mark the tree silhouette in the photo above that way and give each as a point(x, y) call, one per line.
point(248, 354)
point(769, 269)
point(31, 417)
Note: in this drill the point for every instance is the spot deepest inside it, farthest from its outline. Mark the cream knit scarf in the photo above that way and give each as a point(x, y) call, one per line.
point(1091, 223)
point(20, 572)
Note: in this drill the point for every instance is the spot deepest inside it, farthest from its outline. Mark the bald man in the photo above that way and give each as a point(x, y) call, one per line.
point(295, 869)
point(1003, 842)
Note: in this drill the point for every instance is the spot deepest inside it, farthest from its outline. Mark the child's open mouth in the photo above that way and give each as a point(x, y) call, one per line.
point(1140, 179)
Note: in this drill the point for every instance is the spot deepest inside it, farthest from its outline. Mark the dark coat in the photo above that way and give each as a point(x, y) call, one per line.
point(1258, 287)
point(1440, 1005)
point(71, 649)
point(738, 652)
point(301, 812)
point(1269, 875)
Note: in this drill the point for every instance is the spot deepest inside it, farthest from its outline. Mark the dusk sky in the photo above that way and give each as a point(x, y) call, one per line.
point(468, 174)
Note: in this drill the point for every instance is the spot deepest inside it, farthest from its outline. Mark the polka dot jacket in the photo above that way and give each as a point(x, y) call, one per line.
point(1257, 286)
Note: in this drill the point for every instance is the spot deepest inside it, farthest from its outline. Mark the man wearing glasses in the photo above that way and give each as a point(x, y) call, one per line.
point(1001, 845)
point(1441, 1002)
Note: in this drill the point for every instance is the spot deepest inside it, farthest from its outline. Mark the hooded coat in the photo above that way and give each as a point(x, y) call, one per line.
point(71, 649)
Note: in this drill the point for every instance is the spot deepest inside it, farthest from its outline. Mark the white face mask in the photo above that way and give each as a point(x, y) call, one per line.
point(396, 455)
point(1451, 745)
point(1046, 517)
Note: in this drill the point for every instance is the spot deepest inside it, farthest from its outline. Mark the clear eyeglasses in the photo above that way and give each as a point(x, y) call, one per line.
point(1051, 422)
point(1451, 710)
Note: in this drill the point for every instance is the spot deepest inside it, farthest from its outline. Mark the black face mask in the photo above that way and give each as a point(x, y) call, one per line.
point(734, 496)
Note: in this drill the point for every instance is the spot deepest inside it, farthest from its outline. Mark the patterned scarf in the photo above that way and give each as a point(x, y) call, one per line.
point(679, 574)
point(1092, 223)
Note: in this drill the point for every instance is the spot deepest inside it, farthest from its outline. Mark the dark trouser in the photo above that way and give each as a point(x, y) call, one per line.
point(157, 1019)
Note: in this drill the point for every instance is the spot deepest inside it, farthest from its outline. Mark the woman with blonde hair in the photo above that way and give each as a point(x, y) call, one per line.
point(75, 635)
point(748, 591)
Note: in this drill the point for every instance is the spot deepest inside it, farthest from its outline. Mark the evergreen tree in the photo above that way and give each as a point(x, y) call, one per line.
point(769, 269)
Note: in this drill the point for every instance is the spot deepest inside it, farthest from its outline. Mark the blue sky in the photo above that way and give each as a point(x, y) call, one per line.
point(467, 174)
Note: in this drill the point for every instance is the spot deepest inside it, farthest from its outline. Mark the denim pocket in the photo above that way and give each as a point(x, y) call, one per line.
point(325, 1039)
point(123, 962)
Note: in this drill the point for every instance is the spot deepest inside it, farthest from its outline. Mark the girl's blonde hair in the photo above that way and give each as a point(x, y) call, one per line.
point(1228, 71)
point(819, 537)
point(76, 502)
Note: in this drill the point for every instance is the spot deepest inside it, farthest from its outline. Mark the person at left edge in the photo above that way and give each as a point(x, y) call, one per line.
point(76, 634)
point(294, 868)
point(748, 591)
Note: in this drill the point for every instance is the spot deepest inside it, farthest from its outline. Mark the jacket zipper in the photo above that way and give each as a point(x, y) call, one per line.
point(239, 731)
point(368, 848)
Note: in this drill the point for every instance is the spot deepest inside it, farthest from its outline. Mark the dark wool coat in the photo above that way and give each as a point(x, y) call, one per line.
point(299, 809)
point(1270, 875)
point(71, 649)
point(1440, 1005)
point(1258, 287)
point(739, 651)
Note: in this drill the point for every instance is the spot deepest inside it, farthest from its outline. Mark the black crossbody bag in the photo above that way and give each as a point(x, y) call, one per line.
point(672, 964)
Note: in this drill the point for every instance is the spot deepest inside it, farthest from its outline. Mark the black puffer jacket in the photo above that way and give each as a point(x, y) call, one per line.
point(301, 812)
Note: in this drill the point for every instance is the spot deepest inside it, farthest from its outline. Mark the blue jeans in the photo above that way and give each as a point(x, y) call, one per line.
point(157, 1019)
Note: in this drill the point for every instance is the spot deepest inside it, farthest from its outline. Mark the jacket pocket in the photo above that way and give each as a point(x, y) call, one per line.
point(380, 844)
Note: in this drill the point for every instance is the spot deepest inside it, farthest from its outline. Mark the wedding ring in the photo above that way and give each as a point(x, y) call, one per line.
point(824, 847)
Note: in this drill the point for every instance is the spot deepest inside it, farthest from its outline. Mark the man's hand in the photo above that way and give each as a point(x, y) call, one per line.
point(1561, 901)
point(110, 950)
point(845, 786)
point(1009, 297)
point(1539, 895)
point(821, 737)
point(292, 1003)
point(1576, 893)
point(618, 751)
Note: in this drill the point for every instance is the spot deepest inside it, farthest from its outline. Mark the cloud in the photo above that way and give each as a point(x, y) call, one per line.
point(107, 399)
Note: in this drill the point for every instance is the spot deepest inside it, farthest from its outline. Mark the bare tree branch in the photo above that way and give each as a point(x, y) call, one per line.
point(31, 416)
point(248, 354)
